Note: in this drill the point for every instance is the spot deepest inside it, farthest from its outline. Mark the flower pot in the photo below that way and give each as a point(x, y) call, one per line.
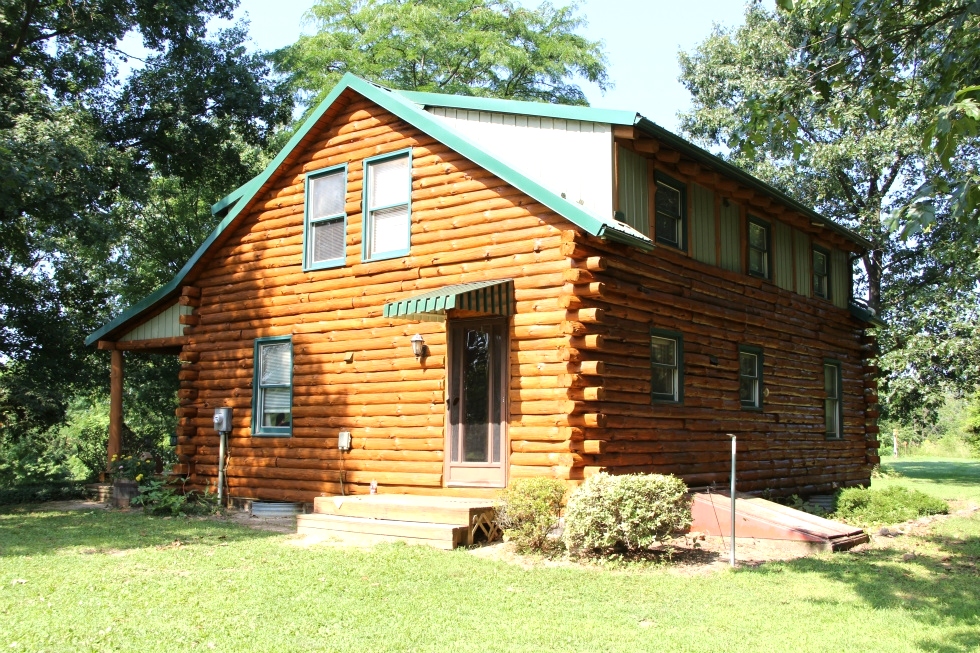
point(123, 491)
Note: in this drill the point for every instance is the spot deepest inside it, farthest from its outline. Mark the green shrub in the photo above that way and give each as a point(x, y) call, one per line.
point(41, 492)
point(866, 506)
point(159, 498)
point(529, 510)
point(628, 512)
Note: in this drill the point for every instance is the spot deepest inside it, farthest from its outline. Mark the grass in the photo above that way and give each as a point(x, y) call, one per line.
point(113, 581)
point(947, 478)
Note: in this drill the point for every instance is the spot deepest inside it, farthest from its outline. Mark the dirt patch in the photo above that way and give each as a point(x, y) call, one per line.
point(273, 524)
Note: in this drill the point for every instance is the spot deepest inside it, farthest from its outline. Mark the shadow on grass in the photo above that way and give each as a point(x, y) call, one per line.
point(941, 592)
point(949, 472)
point(26, 533)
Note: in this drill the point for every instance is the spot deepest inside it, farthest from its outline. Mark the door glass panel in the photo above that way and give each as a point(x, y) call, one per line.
point(476, 396)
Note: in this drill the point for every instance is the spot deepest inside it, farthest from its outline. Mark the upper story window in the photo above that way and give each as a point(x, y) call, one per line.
point(821, 273)
point(750, 377)
point(670, 218)
point(325, 226)
point(272, 394)
point(760, 245)
point(666, 366)
point(387, 205)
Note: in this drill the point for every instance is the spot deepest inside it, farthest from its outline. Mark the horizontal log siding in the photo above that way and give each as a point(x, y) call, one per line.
point(783, 447)
point(466, 226)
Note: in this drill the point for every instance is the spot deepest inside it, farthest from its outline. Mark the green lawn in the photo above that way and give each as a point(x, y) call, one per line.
point(946, 478)
point(112, 581)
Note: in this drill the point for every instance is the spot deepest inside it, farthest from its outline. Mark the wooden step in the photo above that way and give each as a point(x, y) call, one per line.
point(366, 529)
point(404, 507)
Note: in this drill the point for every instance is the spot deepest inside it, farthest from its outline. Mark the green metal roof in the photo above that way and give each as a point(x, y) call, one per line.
point(411, 112)
point(493, 297)
point(410, 106)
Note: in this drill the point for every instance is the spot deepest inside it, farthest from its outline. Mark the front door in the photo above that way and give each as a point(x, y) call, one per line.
point(476, 403)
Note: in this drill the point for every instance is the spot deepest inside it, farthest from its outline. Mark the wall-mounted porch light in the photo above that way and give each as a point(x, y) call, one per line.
point(418, 346)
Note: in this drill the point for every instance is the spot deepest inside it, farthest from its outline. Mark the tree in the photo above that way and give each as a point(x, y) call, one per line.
point(881, 48)
point(99, 171)
point(858, 160)
point(493, 48)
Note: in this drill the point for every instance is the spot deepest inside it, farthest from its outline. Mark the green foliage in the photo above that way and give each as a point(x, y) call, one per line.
point(631, 512)
point(41, 492)
point(973, 424)
point(157, 497)
point(491, 48)
point(529, 510)
point(869, 506)
point(134, 468)
point(799, 503)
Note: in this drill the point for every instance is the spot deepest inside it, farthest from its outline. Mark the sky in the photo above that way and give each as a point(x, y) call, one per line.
point(642, 39)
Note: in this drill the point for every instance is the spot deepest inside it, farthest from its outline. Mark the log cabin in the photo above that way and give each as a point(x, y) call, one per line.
point(475, 290)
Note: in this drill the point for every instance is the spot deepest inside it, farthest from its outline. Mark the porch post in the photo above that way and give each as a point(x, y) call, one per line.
point(115, 406)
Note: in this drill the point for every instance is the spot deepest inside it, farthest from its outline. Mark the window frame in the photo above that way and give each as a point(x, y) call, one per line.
point(681, 187)
point(366, 212)
point(678, 338)
point(767, 227)
point(308, 222)
point(839, 379)
point(258, 430)
point(817, 249)
point(760, 385)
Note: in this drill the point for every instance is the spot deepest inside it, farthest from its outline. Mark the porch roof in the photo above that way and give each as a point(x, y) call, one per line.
point(492, 297)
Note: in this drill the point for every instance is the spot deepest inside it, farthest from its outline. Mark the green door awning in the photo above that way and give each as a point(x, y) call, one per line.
point(490, 297)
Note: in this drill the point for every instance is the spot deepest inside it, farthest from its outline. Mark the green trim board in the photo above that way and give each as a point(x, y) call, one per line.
point(865, 314)
point(307, 225)
point(491, 297)
point(678, 338)
point(258, 429)
point(367, 211)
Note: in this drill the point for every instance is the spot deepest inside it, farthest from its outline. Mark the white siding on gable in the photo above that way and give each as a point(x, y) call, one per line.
point(569, 157)
point(164, 325)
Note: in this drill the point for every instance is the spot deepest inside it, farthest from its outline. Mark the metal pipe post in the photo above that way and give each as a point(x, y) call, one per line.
point(222, 448)
point(732, 436)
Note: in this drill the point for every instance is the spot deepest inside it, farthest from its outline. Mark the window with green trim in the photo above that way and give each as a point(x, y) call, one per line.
point(750, 377)
point(671, 216)
point(821, 273)
point(272, 394)
point(832, 405)
point(666, 366)
point(325, 226)
point(760, 245)
point(387, 206)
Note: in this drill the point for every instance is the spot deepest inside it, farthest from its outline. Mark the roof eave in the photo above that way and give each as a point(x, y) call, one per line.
point(722, 166)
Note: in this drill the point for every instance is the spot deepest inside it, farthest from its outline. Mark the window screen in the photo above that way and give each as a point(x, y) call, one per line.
point(387, 201)
point(669, 205)
point(273, 394)
point(750, 377)
point(832, 399)
point(666, 363)
point(759, 246)
point(326, 218)
point(821, 274)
